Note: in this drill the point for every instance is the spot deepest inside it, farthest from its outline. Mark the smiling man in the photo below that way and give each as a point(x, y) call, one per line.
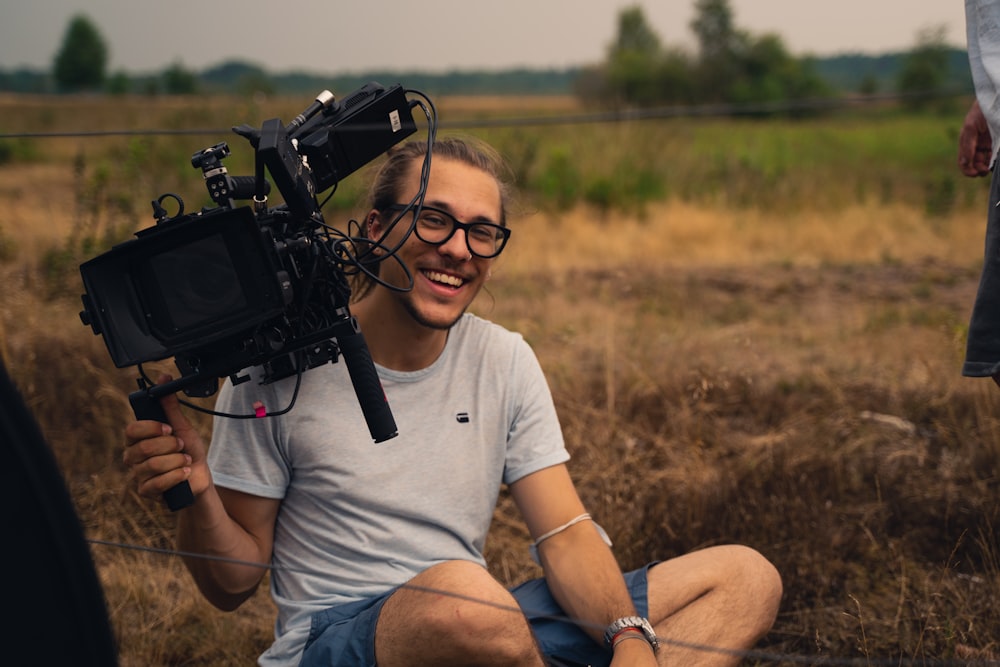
point(377, 548)
point(446, 261)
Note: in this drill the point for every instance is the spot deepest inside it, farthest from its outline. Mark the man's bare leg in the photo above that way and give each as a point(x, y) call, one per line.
point(723, 597)
point(418, 627)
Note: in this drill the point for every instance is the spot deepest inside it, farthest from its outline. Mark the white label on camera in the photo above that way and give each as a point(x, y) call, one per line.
point(394, 121)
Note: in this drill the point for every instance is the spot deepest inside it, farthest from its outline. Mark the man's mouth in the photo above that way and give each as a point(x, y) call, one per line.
point(444, 278)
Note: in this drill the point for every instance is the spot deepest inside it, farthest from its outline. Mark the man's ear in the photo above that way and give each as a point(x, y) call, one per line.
point(374, 224)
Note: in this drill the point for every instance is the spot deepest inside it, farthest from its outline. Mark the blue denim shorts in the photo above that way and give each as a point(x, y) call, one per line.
point(345, 634)
point(563, 639)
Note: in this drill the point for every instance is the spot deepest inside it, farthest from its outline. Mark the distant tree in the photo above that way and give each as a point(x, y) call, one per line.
point(715, 30)
point(768, 74)
point(675, 75)
point(739, 68)
point(631, 78)
point(590, 84)
point(632, 59)
point(253, 84)
point(82, 58)
point(119, 83)
point(732, 66)
point(241, 77)
point(925, 70)
point(23, 80)
point(178, 80)
point(634, 35)
point(868, 85)
point(639, 70)
point(720, 46)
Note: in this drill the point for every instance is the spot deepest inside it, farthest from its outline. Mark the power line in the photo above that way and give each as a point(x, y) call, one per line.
point(722, 110)
point(92, 134)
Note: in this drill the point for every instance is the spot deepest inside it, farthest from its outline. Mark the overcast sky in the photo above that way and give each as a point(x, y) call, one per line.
point(438, 35)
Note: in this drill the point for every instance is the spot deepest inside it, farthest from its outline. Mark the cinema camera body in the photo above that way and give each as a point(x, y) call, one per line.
point(239, 286)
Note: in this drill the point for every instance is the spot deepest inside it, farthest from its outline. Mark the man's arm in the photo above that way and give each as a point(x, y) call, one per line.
point(580, 569)
point(228, 527)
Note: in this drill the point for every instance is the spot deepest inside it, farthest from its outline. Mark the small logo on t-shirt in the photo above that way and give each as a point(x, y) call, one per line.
point(462, 417)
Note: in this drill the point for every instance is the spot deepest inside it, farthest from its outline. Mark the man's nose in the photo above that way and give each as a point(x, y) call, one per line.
point(457, 246)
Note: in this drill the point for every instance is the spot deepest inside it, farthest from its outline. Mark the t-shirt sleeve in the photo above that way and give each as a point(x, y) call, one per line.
point(535, 440)
point(247, 454)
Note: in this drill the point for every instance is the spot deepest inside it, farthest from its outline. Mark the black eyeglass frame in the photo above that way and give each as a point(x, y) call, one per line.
point(504, 232)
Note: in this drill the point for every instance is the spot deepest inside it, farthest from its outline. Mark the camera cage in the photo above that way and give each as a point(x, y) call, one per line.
point(238, 286)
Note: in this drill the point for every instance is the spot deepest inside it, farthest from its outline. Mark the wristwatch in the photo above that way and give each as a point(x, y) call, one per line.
point(637, 622)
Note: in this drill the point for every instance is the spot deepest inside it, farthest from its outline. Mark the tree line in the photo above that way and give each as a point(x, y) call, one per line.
point(730, 66)
point(734, 67)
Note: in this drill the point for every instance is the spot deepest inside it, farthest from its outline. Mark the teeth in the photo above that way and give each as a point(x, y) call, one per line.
point(437, 277)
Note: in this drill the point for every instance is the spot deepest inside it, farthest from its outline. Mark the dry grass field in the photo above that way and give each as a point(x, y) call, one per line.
point(787, 378)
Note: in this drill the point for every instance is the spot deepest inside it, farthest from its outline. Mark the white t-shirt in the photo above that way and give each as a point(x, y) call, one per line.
point(359, 518)
point(982, 22)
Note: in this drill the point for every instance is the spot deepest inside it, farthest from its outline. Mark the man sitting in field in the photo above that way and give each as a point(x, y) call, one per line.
point(377, 549)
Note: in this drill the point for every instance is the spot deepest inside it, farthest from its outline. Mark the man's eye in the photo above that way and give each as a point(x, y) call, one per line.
point(434, 220)
point(483, 233)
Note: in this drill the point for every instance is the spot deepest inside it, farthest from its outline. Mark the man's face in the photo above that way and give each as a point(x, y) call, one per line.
point(447, 277)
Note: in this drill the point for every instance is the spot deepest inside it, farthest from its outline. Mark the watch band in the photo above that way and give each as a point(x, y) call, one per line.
point(632, 622)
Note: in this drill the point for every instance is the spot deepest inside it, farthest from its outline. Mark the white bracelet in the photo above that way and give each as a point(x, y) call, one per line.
point(556, 531)
point(533, 547)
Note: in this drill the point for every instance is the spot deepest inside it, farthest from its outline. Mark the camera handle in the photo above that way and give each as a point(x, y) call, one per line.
point(147, 406)
point(364, 377)
point(145, 401)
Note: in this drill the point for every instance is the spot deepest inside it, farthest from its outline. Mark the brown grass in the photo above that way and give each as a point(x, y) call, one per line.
point(787, 381)
point(679, 234)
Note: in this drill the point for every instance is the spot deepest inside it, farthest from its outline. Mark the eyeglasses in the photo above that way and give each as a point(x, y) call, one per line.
point(435, 227)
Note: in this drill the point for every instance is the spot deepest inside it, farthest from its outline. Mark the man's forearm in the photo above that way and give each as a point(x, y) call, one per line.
point(216, 549)
point(585, 578)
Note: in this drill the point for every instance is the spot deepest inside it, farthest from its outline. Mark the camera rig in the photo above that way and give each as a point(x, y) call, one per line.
point(234, 286)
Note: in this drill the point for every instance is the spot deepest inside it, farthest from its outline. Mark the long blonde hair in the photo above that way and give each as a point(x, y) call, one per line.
point(392, 174)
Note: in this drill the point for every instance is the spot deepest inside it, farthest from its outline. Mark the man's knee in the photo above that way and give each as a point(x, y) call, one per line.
point(750, 589)
point(459, 607)
point(740, 585)
point(760, 581)
point(462, 593)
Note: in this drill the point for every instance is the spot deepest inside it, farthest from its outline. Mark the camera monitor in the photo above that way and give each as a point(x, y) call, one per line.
point(157, 295)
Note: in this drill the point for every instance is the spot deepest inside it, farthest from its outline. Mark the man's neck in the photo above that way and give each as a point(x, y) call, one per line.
point(395, 340)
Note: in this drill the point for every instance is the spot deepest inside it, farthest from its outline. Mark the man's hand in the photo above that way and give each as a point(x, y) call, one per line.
point(159, 456)
point(975, 146)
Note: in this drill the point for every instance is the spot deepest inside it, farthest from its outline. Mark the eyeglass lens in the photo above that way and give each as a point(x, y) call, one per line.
point(483, 239)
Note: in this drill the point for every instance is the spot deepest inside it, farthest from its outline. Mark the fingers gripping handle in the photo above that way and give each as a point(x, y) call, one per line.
point(366, 383)
point(364, 377)
point(146, 406)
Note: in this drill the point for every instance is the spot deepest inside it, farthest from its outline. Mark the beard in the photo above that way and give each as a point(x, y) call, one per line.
point(425, 321)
